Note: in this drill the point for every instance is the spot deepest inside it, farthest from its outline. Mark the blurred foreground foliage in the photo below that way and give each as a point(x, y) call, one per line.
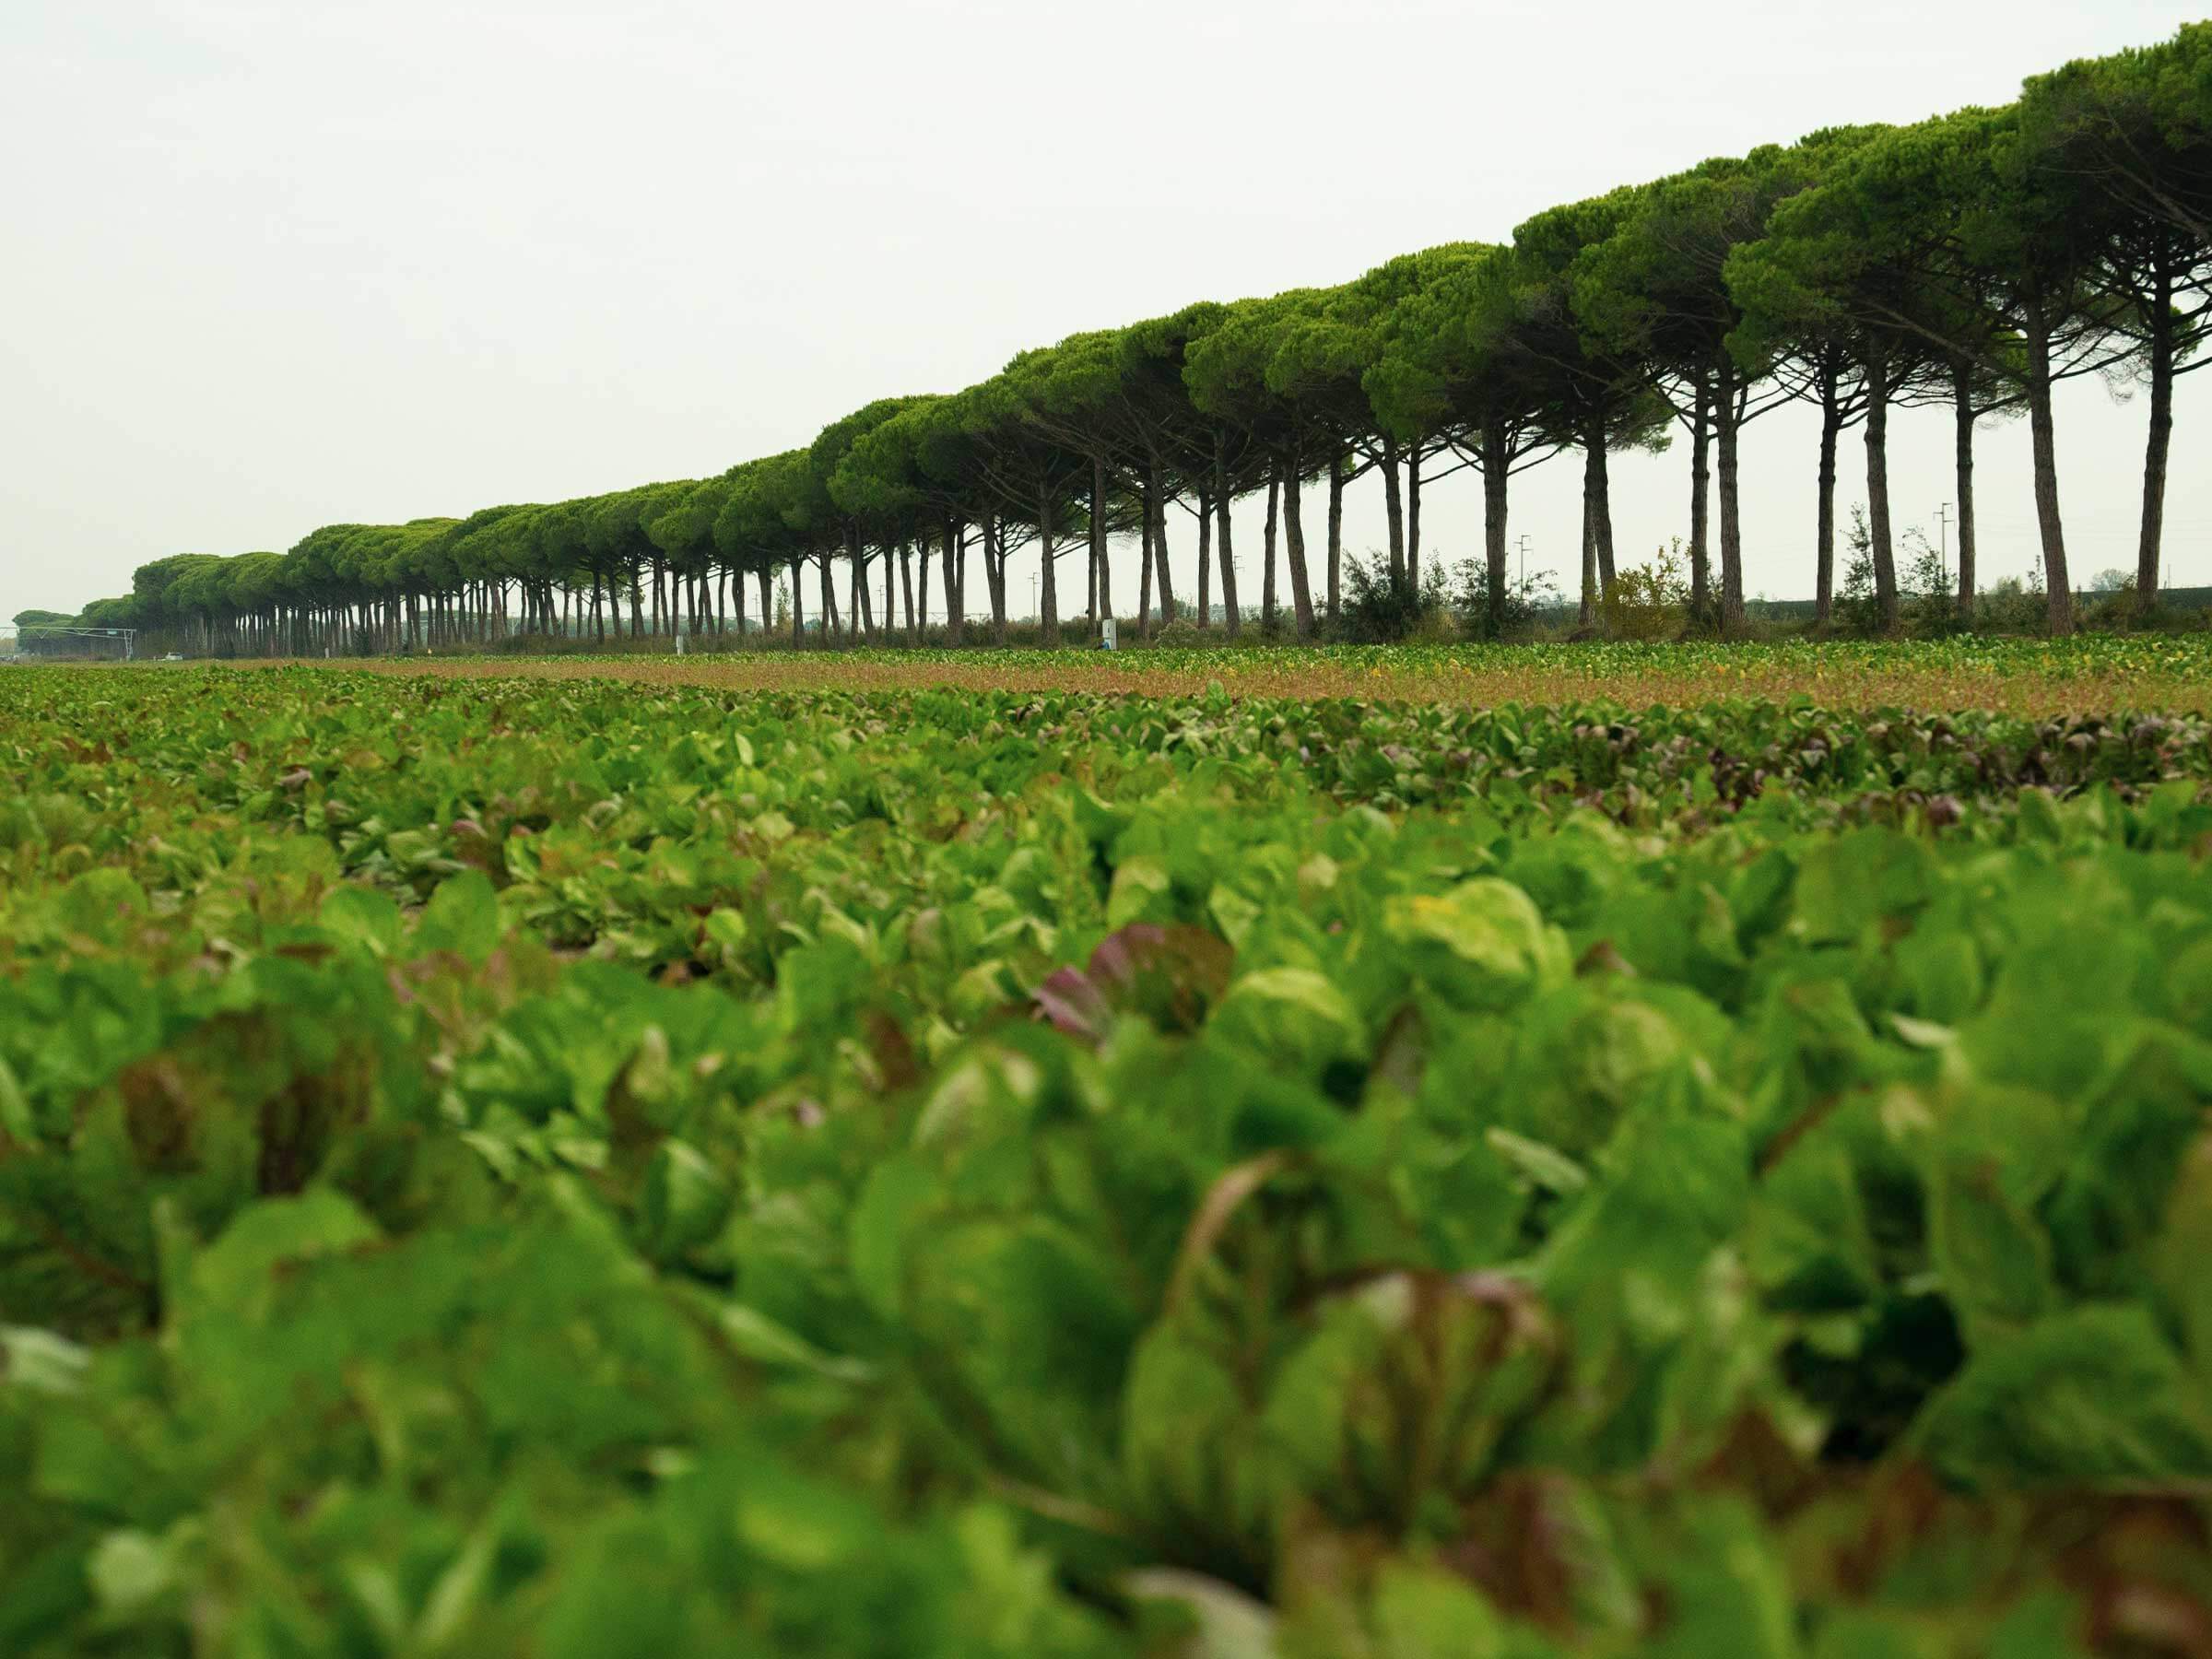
point(509, 1167)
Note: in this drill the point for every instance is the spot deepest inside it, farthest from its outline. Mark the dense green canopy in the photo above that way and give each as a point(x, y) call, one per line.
point(1975, 259)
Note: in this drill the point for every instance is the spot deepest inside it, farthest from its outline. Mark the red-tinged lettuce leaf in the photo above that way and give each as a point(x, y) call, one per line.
point(1170, 976)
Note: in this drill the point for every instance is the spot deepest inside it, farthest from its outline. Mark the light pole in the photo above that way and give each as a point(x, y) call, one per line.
point(1034, 616)
point(1943, 550)
point(1523, 588)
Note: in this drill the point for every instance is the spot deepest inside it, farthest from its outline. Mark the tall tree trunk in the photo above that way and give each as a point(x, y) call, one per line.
point(853, 564)
point(2044, 437)
point(1105, 573)
point(1824, 527)
point(953, 599)
point(1413, 515)
point(1048, 574)
point(1963, 443)
point(1099, 604)
point(906, 585)
point(1205, 558)
point(1700, 461)
point(1883, 549)
point(768, 602)
point(997, 558)
point(1336, 532)
point(1600, 481)
point(921, 556)
point(1586, 610)
point(1393, 507)
point(954, 578)
point(830, 616)
point(1728, 417)
point(1494, 478)
point(995, 576)
point(863, 608)
point(1231, 614)
point(1294, 541)
point(1144, 569)
point(2159, 442)
point(1157, 494)
point(1275, 497)
point(799, 603)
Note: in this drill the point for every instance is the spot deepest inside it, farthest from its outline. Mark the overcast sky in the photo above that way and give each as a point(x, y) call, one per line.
point(274, 264)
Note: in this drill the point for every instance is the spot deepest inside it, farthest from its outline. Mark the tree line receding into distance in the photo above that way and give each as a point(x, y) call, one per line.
point(1974, 260)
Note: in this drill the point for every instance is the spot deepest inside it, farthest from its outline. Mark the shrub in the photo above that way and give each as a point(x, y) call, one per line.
point(1649, 601)
point(1525, 600)
point(1858, 608)
point(1927, 606)
point(1383, 605)
point(2112, 603)
point(1929, 599)
point(2015, 604)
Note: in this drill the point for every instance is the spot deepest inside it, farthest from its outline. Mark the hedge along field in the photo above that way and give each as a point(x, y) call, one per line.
point(2098, 674)
point(510, 1165)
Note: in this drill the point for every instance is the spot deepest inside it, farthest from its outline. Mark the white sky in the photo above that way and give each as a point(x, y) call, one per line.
point(273, 264)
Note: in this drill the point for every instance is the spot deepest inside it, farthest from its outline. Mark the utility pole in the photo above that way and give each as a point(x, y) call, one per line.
point(1034, 615)
point(1523, 588)
point(1943, 552)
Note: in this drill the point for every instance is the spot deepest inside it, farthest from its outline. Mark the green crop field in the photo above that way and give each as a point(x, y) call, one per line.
point(581, 1158)
point(2098, 674)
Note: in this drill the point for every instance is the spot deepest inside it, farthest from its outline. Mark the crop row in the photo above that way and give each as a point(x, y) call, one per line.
point(499, 1165)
